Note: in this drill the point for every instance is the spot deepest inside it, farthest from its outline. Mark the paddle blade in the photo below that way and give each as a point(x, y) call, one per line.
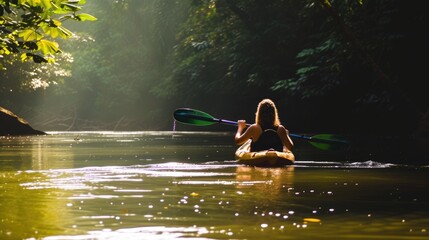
point(328, 142)
point(194, 117)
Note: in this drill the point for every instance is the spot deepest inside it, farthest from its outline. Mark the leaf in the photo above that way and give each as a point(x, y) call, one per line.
point(46, 4)
point(24, 57)
point(30, 45)
point(306, 52)
point(29, 35)
point(51, 60)
point(55, 23)
point(70, 7)
point(48, 47)
point(64, 32)
point(39, 59)
point(306, 70)
point(85, 17)
point(328, 3)
point(36, 58)
point(53, 29)
point(65, 17)
point(55, 32)
point(59, 10)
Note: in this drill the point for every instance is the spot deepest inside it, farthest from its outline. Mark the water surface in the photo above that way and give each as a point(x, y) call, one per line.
point(187, 185)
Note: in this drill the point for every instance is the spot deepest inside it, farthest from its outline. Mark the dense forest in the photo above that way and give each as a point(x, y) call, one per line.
point(351, 66)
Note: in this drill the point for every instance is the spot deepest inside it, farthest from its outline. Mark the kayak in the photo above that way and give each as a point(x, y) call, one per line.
point(267, 158)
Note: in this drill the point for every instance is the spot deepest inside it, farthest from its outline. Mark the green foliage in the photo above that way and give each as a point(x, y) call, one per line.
point(117, 67)
point(28, 27)
point(293, 47)
point(317, 73)
point(334, 63)
point(33, 76)
point(352, 57)
point(146, 57)
point(230, 46)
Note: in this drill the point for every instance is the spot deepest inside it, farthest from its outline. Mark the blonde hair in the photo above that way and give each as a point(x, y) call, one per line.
point(266, 114)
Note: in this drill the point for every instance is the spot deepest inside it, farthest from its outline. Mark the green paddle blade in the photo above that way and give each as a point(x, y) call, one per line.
point(194, 117)
point(199, 118)
point(328, 142)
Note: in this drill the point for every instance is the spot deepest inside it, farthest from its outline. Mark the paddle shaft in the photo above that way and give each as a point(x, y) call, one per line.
point(290, 134)
point(228, 122)
point(196, 117)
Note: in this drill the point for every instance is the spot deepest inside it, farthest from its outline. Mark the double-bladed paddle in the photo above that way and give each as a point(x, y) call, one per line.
point(200, 118)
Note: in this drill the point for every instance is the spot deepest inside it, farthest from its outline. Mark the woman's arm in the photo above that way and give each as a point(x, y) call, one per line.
point(284, 135)
point(241, 137)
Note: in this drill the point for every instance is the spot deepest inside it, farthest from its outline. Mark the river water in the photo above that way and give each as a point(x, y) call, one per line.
point(187, 185)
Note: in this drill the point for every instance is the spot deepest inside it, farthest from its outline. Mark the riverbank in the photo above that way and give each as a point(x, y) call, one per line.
point(11, 124)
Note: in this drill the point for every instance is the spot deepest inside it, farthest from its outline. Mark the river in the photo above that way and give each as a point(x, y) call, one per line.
point(187, 185)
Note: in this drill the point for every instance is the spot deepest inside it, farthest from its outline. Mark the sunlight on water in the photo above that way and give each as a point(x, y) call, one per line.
point(150, 185)
point(89, 177)
point(217, 182)
point(157, 232)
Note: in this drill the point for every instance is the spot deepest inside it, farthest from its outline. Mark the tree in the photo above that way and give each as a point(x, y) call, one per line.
point(366, 54)
point(28, 27)
point(117, 62)
point(339, 61)
point(228, 47)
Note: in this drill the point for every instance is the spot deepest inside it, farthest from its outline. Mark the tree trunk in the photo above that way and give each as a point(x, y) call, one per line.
point(12, 125)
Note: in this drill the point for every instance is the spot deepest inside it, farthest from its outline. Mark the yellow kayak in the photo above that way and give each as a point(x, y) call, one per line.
point(267, 158)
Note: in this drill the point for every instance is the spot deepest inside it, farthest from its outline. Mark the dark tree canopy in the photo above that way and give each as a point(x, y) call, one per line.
point(347, 58)
point(346, 66)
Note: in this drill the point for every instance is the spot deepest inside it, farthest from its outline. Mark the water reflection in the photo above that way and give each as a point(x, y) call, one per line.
point(36, 153)
point(39, 212)
point(153, 186)
point(152, 233)
point(20, 208)
point(270, 181)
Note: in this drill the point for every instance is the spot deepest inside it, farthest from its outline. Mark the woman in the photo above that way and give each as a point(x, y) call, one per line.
point(267, 132)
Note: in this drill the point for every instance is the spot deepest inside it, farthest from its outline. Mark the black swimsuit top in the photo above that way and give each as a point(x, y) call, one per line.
point(269, 139)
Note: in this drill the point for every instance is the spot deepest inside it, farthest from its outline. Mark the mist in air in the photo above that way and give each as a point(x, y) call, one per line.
point(110, 74)
point(142, 59)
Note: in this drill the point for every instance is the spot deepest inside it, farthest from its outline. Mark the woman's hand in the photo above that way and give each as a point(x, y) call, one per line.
point(241, 125)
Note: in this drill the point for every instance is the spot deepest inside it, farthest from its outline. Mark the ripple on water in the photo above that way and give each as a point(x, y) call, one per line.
point(88, 178)
point(153, 233)
point(330, 164)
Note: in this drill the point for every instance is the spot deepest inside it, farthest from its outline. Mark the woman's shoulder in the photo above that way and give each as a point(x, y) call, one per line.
point(282, 128)
point(256, 128)
point(254, 125)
